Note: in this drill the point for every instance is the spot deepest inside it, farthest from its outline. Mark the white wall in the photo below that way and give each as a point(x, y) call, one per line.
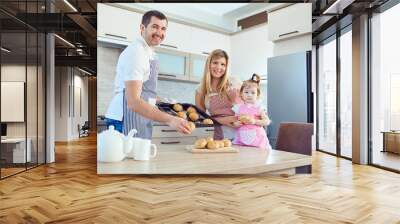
point(250, 51)
point(17, 73)
point(67, 115)
point(293, 45)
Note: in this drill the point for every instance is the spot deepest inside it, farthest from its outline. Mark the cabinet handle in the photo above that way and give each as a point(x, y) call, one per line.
point(112, 35)
point(174, 76)
point(209, 130)
point(207, 53)
point(167, 45)
point(284, 34)
point(168, 131)
point(169, 143)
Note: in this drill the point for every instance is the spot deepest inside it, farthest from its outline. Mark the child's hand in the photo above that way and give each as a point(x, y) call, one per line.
point(249, 121)
point(268, 122)
point(237, 124)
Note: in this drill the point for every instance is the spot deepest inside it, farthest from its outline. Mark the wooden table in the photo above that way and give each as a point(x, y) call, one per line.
point(177, 160)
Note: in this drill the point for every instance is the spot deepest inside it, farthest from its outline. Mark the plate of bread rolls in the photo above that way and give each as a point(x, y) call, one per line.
point(209, 145)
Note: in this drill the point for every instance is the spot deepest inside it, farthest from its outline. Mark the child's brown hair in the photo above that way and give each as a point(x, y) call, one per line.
point(254, 80)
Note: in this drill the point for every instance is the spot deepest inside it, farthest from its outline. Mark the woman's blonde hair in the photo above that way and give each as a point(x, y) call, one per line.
point(222, 87)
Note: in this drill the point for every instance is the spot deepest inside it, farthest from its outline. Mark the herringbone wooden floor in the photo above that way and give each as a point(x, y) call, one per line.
point(70, 191)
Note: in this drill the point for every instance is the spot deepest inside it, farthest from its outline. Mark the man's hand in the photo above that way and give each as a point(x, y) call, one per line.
point(179, 124)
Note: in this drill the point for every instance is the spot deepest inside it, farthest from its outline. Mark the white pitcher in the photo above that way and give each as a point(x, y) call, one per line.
point(113, 146)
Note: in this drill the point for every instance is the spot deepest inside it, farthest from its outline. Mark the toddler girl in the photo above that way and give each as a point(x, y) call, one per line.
point(251, 116)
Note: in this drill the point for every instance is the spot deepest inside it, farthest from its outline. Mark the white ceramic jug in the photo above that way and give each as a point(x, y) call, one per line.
point(110, 146)
point(129, 143)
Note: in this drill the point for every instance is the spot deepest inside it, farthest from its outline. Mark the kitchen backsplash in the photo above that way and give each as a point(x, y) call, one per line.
point(180, 91)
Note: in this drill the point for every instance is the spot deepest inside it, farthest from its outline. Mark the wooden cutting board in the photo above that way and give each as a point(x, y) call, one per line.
point(192, 149)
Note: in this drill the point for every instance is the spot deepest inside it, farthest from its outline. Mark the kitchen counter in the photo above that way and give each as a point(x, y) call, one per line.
point(175, 159)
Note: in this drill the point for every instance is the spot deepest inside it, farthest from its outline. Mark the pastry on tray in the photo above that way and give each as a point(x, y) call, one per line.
point(208, 121)
point(182, 114)
point(193, 116)
point(177, 107)
point(191, 109)
point(192, 126)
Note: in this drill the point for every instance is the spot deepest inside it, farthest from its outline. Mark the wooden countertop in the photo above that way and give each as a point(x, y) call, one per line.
point(177, 160)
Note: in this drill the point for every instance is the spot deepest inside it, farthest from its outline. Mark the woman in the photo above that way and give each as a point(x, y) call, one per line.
point(217, 93)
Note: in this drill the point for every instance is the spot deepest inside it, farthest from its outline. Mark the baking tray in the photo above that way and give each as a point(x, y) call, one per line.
point(168, 108)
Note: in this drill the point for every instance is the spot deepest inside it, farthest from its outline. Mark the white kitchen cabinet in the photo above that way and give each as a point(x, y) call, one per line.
point(173, 64)
point(203, 41)
point(164, 142)
point(117, 25)
point(166, 136)
point(290, 21)
point(197, 66)
point(177, 37)
point(163, 131)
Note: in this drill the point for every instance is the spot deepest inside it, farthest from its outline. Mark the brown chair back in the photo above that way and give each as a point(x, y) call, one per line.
point(296, 138)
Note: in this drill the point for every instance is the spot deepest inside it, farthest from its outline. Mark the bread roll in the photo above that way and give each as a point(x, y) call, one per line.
point(212, 145)
point(182, 114)
point(192, 126)
point(227, 143)
point(244, 118)
point(220, 144)
point(209, 139)
point(208, 121)
point(177, 107)
point(194, 116)
point(200, 143)
point(191, 110)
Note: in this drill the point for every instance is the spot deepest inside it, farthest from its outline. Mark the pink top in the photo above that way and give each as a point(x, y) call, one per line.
point(250, 134)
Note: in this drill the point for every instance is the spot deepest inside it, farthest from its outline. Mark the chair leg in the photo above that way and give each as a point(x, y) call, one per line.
point(304, 169)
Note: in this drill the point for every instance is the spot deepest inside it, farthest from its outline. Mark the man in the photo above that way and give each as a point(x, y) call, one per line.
point(136, 82)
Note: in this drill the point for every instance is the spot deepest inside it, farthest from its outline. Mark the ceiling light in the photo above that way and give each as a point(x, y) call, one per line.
point(86, 72)
point(70, 5)
point(64, 40)
point(5, 50)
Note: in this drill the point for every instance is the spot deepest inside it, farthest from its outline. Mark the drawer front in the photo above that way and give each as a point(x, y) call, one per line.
point(168, 132)
point(165, 142)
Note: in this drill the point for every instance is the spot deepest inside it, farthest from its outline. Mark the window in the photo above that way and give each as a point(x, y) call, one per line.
point(327, 96)
point(385, 89)
point(346, 93)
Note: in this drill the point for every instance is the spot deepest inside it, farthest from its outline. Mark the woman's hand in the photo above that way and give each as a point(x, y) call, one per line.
point(227, 121)
point(237, 124)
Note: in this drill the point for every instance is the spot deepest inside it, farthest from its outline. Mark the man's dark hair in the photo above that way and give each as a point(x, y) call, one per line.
point(147, 16)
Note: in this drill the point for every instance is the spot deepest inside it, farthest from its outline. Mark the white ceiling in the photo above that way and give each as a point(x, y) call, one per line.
point(221, 17)
point(217, 8)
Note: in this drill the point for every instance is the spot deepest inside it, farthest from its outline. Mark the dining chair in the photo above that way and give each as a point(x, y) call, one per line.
point(296, 137)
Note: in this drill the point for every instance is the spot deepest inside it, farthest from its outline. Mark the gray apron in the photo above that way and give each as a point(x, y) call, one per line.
point(131, 119)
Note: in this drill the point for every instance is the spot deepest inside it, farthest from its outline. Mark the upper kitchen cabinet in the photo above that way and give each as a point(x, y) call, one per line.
point(204, 41)
point(177, 37)
point(173, 64)
point(123, 28)
point(291, 21)
point(197, 65)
